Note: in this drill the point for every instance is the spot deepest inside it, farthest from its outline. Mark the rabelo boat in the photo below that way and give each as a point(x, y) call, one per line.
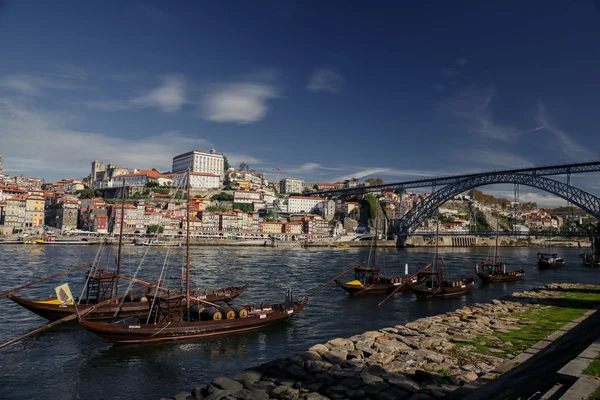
point(178, 315)
point(493, 270)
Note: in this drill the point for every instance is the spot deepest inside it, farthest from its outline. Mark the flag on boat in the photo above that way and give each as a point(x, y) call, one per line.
point(63, 293)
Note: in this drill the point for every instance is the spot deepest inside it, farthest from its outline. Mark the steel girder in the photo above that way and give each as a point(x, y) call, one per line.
point(452, 180)
point(413, 219)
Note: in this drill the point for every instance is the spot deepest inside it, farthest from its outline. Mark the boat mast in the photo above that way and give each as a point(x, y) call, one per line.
point(437, 238)
point(496, 253)
point(187, 248)
point(120, 238)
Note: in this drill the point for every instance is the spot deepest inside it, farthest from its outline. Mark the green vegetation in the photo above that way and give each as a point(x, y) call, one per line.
point(222, 197)
point(226, 165)
point(595, 395)
point(161, 191)
point(217, 208)
point(154, 229)
point(246, 207)
point(538, 322)
point(481, 223)
point(152, 184)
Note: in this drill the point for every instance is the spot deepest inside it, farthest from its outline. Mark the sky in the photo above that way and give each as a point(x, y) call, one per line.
point(322, 90)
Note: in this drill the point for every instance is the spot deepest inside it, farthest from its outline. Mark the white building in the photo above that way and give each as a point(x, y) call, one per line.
point(198, 180)
point(305, 204)
point(290, 185)
point(246, 196)
point(139, 178)
point(198, 161)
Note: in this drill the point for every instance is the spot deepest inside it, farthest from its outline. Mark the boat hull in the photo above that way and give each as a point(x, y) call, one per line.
point(162, 332)
point(106, 312)
point(543, 264)
point(501, 277)
point(376, 288)
point(422, 291)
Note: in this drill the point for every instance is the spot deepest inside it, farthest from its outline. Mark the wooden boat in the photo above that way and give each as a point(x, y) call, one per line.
point(549, 260)
point(369, 280)
point(433, 284)
point(493, 270)
point(51, 240)
point(102, 285)
point(54, 309)
point(178, 315)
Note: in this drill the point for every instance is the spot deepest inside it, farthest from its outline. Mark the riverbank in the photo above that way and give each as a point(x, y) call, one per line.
point(414, 241)
point(428, 358)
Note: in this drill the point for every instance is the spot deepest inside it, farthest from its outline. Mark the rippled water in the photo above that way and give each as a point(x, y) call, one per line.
point(68, 362)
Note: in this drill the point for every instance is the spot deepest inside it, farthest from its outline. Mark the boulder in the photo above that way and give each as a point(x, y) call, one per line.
point(285, 393)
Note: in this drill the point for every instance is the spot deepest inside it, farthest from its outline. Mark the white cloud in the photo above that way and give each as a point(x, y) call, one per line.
point(566, 144)
point(486, 160)
point(363, 173)
point(36, 141)
point(170, 96)
point(326, 80)
point(242, 103)
point(542, 199)
point(32, 85)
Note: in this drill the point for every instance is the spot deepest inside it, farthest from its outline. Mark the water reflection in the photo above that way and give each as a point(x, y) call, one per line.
point(165, 369)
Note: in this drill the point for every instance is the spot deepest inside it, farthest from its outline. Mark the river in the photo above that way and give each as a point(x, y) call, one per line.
point(68, 362)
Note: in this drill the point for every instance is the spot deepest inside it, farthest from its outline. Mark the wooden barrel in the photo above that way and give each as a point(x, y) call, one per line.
point(211, 314)
point(227, 312)
point(240, 311)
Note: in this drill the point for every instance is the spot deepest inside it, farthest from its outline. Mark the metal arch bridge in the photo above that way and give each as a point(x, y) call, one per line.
point(561, 169)
point(413, 219)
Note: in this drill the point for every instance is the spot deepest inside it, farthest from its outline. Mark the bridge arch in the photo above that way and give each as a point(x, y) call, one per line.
point(413, 219)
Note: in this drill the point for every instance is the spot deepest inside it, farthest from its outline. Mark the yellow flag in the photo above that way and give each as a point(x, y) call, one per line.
point(63, 294)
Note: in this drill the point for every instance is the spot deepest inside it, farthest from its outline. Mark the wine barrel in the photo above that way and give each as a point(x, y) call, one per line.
point(227, 312)
point(240, 311)
point(211, 314)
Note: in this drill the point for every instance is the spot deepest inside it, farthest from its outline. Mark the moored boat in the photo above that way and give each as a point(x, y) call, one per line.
point(549, 260)
point(434, 284)
point(493, 270)
point(369, 280)
point(178, 315)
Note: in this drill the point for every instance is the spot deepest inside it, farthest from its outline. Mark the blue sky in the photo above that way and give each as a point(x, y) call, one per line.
point(322, 90)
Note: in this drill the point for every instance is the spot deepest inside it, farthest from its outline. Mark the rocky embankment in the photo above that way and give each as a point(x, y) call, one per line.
point(424, 359)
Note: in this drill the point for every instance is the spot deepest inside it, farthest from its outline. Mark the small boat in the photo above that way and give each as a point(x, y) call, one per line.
point(433, 284)
point(493, 270)
point(178, 315)
point(53, 240)
point(549, 260)
point(368, 280)
point(158, 243)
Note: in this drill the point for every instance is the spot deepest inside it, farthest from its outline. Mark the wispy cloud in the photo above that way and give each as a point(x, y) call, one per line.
point(569, 147)
point(32, 84)
point(169, 96)
point(242, 103)
point(461, 61)
point(362, 174)
point(490, 159)
point(473, 108)
point(35, 140)
point(326, 80)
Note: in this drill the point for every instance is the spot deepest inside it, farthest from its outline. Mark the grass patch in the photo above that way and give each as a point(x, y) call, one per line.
point(541, 321)
point(594, 368)
point(595, 395)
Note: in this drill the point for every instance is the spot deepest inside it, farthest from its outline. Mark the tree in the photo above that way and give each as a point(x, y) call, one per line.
point(154, 229)
point(222, 197)
point(244, 167)
point(316, 187)
point(226, 165)
point(152, 184)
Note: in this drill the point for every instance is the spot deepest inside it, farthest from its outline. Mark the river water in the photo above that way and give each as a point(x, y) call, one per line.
point(67, 362)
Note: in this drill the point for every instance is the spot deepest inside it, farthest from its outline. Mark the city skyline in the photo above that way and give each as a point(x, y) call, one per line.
point(323, 92)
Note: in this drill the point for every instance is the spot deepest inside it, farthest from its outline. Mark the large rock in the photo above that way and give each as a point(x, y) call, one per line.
point(393, 393)
point(380, 358)
point(319, 349)
point(336, 355)
point(285, 393)
point(370, 379)
point(390, 346)
point(254, 394)
point(402, 381)
point(250, 375)
point(346, 344)
point(228, 384)
point(317, 366)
